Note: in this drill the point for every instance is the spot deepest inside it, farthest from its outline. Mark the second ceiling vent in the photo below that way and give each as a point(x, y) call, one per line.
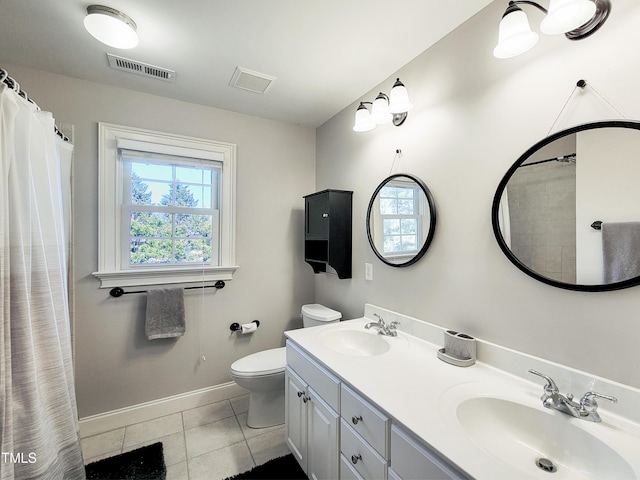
point(253, 81)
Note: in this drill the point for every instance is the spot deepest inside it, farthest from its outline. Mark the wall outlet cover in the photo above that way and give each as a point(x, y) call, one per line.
point(368, 271)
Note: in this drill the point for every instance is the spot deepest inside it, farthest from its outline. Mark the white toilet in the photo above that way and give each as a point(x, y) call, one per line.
point(262, 373)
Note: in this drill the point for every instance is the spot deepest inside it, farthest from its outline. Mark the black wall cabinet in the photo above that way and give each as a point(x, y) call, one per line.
point(327, 239)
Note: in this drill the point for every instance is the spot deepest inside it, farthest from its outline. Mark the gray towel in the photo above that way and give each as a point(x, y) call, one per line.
point(165, 313)
point(620, 251)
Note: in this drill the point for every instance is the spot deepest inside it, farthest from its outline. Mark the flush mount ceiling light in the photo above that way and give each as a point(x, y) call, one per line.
point(384, 109)
point(111, 26)
point(576, 19)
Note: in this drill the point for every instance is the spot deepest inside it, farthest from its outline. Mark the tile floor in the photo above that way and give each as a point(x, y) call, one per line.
point(209, 442)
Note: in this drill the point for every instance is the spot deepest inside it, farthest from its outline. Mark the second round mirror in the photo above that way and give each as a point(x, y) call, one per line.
point(401, 220)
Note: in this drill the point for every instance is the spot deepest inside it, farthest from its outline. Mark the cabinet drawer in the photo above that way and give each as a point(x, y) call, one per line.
point(347, 472)
point(411, 460)
point(364, 459)
point(324, 383)
point(365, 419)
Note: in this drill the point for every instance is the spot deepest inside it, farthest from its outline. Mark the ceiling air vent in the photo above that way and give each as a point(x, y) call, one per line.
point(144, 69)
point(252, 81)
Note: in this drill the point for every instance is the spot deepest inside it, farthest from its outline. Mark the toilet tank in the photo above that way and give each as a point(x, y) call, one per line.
point(315, 314)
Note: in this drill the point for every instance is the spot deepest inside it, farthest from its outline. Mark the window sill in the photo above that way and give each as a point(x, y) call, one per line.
point(164, 276)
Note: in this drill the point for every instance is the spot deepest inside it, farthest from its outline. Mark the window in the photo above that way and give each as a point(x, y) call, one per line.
point(170, 210)
point(400, 213)
point(166, 208)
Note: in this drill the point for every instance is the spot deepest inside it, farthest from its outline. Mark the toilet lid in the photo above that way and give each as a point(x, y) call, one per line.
point(261, 363)
point(320, 313)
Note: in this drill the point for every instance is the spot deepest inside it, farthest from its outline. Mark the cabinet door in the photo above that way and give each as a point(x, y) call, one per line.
point(322, 439)
point(317, 221)
point(296, 416)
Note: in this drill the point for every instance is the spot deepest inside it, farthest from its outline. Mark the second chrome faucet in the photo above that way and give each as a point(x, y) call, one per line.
point(586, 408)
point(382, 327)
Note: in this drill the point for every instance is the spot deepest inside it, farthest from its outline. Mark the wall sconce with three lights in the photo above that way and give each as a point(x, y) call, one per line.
point(384, 109)
point(576, 19)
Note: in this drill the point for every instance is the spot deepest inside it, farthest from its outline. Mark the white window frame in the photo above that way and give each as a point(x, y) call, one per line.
point(110, 272)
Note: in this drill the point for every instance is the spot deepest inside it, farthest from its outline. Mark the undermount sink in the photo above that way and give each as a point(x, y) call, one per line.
point(536, 441)
point(358, 343)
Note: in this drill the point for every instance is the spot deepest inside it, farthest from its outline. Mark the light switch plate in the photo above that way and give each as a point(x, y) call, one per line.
point(368, 271)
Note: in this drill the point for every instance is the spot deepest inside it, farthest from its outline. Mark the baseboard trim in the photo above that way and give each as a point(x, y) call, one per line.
point(104, 422)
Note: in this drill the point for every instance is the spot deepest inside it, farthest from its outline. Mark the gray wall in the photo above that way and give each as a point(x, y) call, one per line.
point(116, 366)
point(474, 116)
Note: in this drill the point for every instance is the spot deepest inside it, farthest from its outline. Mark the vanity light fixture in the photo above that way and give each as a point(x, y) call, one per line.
point(384, 109)
point(111, 26)
point(576, 19)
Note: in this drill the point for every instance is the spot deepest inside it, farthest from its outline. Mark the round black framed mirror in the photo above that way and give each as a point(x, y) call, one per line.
point(401, 220)
point(566, 210)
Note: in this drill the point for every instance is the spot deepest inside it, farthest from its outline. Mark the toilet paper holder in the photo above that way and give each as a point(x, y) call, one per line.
point(234, 327)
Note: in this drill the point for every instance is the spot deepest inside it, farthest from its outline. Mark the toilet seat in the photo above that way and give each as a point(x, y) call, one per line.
point(266, 362)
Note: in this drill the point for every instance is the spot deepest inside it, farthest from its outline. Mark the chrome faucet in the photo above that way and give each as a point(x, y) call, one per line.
point(586, 409)
point(383, 327)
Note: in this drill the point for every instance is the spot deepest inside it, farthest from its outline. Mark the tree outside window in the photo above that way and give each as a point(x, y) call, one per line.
point(170, 212)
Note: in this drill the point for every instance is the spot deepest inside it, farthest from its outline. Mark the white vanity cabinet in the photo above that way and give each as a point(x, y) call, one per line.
point(336, 433)
point(412, 460)
point(311, 415)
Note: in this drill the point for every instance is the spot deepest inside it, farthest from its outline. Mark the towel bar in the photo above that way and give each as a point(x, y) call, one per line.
point(118, 291)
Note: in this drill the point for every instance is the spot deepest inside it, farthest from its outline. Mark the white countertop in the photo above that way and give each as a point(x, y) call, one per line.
point(418, 390)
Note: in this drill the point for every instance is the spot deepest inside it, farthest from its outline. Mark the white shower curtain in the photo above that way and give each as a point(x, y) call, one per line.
point(38, 415)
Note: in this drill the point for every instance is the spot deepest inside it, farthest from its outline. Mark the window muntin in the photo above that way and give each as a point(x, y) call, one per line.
point(170, 210)
point(400, 212)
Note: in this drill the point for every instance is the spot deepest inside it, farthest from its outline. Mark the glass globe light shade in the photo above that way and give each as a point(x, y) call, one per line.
point(399, 98)
point(567, 15)
point(380, 113)
point(514, 35)
point(363, 120)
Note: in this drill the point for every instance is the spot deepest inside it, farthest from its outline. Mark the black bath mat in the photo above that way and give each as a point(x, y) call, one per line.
point(146, 463)
point(283, 468)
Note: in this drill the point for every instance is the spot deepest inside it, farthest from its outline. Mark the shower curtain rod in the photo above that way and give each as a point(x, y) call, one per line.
point(15, 86)
point(563, 159)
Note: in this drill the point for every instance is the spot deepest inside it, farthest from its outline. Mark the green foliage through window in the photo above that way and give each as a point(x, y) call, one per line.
point(170, 211)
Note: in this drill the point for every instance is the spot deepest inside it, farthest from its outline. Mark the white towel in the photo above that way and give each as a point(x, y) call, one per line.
point(165, 313)
point(620, 251)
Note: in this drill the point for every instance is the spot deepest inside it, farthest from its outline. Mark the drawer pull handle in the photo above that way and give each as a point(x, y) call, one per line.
point(355, 419)
point(305, 399)
point(355, 458)
point(300, 394)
